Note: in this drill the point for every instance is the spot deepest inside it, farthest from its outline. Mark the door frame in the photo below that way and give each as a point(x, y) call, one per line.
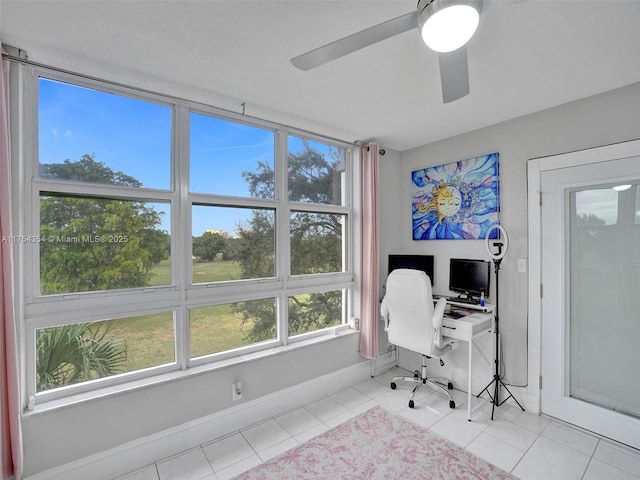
point(535, 167)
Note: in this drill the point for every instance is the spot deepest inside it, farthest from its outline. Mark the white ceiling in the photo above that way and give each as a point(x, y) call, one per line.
point(525, 57)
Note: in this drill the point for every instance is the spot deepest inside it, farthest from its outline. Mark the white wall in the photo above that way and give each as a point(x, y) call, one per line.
point(69, 433)
point(599, 120)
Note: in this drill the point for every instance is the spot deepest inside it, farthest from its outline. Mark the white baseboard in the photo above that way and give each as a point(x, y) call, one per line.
point(383, 363)
point(532, 402)
point(145, 451)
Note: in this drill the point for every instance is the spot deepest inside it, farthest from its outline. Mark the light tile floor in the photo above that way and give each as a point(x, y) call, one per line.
point(528, 446)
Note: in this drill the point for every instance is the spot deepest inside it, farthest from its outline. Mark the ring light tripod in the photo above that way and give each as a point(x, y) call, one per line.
point(497, 249)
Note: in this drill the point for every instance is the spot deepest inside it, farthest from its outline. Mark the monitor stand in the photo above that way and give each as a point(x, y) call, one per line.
point(466, 298)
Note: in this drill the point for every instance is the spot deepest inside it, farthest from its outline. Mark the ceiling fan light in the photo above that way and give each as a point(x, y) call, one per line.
point(448, 26)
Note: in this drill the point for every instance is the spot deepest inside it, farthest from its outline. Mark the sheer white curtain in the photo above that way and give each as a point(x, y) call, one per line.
point(369, 307)
point(10, 429)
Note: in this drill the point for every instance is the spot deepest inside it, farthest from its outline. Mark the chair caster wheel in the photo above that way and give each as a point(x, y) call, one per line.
point(450, 386)
point(411, 404)
point(416, 374)
point(452, 404)
point(393, 385)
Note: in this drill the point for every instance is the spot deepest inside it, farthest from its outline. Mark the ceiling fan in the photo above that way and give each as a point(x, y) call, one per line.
point(445, 25)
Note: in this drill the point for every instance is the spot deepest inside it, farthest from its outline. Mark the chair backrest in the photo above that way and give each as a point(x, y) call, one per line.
point(409, 304)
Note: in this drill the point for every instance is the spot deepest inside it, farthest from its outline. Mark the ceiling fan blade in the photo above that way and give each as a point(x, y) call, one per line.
point(454, 74)
point(356, 41)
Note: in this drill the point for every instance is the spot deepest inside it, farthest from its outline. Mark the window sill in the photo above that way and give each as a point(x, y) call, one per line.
point(173, 376)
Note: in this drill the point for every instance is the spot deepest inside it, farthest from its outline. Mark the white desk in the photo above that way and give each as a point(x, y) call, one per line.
point(488, 307)
point(466, 329)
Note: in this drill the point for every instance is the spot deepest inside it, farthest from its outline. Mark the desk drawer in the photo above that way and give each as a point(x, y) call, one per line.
point(454, 328)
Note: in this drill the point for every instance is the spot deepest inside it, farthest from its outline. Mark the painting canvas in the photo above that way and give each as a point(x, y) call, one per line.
point(456, 201)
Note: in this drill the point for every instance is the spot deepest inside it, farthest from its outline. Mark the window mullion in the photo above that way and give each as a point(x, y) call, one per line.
point(30, 225)
point(101, 191)
point(282, 312)
point(319, 208)
point(27, 255)
point(282, 235)
point(181, 232)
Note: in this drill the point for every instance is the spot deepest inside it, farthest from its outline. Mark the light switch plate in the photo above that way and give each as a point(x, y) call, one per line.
point(522, 265)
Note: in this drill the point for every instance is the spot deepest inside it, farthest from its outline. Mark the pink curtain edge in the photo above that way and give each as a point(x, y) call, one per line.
point(369, 254)
point(12, 433)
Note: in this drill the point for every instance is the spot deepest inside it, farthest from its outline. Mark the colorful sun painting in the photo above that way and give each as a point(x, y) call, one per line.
point(456, 201)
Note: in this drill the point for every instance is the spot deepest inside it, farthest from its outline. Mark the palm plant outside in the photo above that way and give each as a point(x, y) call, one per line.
point(76, 353)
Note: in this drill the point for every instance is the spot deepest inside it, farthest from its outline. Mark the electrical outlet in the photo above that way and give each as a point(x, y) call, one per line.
point(236, 390)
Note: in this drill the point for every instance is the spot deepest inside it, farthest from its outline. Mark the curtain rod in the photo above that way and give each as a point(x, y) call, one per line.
point(26, 61)
point(381, 151)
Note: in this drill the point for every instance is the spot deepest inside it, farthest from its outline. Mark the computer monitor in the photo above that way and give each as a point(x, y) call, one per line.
point(469, 277)
point(414, 262)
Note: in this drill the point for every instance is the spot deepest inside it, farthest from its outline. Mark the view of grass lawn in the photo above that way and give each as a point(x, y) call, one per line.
point(161, 274)
point(215, 329)
point(212, 329)
point(216, 271)
point(203, 272)
point(149, 339)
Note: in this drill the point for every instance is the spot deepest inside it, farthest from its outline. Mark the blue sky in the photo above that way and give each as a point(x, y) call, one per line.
point(126, 134)
point(134, 136)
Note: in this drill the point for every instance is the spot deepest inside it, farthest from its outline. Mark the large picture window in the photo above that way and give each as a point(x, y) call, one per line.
point(167, 234)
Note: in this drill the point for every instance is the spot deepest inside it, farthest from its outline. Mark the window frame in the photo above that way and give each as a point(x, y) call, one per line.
point(37, 311)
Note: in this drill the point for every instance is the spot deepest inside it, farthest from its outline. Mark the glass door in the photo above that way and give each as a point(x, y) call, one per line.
point(591, 297)
point(604, 296)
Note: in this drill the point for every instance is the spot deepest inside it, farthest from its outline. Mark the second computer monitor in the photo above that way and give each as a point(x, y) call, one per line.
point(469, 277)
point(415, 262)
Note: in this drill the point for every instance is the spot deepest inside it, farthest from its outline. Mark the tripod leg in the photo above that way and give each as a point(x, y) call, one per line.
point(484, 390)
point(509, 396)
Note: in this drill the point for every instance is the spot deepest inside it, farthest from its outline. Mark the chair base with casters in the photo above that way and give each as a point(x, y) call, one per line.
point(420, 378)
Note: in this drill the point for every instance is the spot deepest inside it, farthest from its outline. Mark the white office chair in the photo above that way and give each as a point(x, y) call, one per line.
point(412, 322)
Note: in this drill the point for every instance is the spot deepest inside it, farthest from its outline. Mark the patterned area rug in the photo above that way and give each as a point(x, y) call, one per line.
point(376, 445)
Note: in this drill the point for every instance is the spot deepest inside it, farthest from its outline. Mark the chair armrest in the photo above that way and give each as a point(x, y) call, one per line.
point(384, 311)
point(436, 321)
point(438, 312)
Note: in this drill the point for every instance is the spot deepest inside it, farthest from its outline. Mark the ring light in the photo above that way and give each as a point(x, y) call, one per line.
point(503, 245)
